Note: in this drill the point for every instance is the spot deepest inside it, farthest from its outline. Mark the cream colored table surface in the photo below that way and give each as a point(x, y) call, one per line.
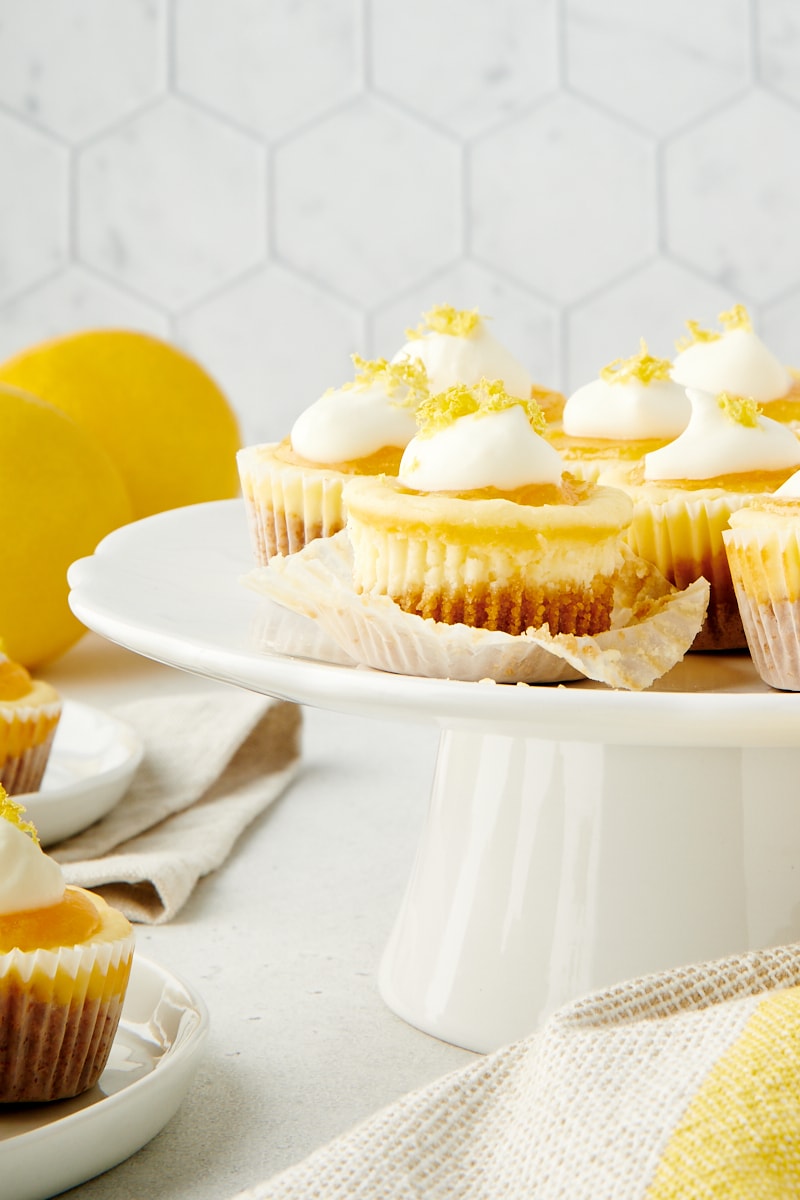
point(283, 943)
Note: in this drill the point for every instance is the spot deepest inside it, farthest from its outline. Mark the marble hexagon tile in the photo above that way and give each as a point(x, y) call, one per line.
point(563, 199)
point(71, 300)
point(653, 302)
point(779, 325)
point(77, 67)
point(525, 324)
point(33, 207)
point(172, 204)
point(271, 67)
point(274, 343)
point(732, 194)
point(658, 66)
point(500, 58)
point(368, 201)
point(777, 47)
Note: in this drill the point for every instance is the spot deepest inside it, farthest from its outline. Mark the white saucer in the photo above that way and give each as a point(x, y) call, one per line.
point(91, 765)
point(47, 1148)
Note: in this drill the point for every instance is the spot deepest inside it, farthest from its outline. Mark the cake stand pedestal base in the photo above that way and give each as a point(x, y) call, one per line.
point(548, 869)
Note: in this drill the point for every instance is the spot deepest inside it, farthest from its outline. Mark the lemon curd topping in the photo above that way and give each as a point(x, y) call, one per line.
point(630, 450)
point(441, 410)
point(75, 919)
point(741, 483)
point(383, 462)
point(769, 505)
point(734, 318)
point(578, 510)
point(570, 491)
point(443, 318)
point(785, 409)
point(643, 367)
point(15, 682)
point(405, 383)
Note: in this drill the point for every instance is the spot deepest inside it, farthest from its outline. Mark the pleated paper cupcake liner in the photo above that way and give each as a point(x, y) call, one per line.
point(280, 630)
point(765, 567)
point(26, 739)
point(59, 1012)
point(682, 538)
point(288, 506)
point(653, 625)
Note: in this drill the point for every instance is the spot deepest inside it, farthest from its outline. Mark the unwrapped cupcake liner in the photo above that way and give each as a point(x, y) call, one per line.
point(653, 625)
point(765, 568)
point(26, 739)
point(280, 630)
point(683, 539)
point(288, 506)
point(59, 1012)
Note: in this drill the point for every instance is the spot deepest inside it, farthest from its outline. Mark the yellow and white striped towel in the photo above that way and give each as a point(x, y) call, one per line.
point(684, 1084)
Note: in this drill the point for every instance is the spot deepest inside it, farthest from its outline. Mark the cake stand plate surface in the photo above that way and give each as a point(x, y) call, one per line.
point(576, 835)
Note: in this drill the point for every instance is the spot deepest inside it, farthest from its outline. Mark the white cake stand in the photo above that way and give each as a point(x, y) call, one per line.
point(576, 835)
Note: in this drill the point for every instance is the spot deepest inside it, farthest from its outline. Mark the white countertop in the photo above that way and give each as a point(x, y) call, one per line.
point(283, 943)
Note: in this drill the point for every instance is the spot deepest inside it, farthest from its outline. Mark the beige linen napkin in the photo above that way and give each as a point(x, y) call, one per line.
point(684, 1084)
point(212, 762)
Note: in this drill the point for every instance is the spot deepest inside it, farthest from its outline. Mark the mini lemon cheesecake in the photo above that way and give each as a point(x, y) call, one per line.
point(483, 526)
point(632, 408)
point(685, 493)
point(734, 359)
point(65, 959)
point(293, 489)
point(763, 549)
point(456, 346)
point(30, 710)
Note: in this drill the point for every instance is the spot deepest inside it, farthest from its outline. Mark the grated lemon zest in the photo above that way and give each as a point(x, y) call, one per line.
point(443, 318)
point(741, 409)
point(12, 812)
point(406, 382)
point(642, 366)
point(733, 318)
point(488, 396)
point(736, 318)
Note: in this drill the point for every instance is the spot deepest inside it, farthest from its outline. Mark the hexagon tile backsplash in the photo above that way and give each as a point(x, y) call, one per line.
point(277, 184)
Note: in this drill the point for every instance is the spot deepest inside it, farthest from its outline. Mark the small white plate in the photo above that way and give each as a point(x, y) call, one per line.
point(91, 765)
point(47, 1148)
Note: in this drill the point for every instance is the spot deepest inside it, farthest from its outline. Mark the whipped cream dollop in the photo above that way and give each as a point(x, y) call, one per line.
point(28, 877)
point(734, 360)
point(456, 346)
point(479, 438)
point(356, 420)
point(634, 399)
point(726, 435)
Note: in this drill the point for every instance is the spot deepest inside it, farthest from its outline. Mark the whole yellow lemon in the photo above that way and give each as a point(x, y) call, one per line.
point(60, 494)
point(160, 416)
